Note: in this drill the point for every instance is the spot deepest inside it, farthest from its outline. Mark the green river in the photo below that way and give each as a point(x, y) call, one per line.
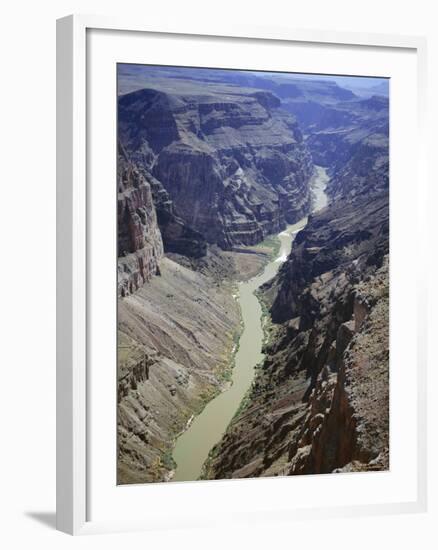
point(206, 429)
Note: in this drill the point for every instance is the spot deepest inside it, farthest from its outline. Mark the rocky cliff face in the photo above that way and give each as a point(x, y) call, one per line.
point(335, 131)
point(234, 164)
point(140, 245)
point(365, 173)
point(347, 231)
point(178, 237)
point(319, 402)
point(349, 408)
point(176, 328)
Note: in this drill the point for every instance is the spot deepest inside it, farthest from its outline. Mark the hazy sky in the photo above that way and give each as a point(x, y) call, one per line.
point(361, 85)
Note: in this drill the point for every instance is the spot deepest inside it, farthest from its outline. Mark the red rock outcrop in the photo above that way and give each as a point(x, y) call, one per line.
point(140, 246)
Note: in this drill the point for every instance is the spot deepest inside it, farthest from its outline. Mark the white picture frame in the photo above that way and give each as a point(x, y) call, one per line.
point(73, 222)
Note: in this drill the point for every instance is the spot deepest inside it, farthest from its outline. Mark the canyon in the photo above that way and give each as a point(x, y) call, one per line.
point(320, 399)
point(234, 162)
point(253, 260)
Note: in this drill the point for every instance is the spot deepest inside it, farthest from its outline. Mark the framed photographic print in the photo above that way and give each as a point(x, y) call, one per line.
point(237, 318)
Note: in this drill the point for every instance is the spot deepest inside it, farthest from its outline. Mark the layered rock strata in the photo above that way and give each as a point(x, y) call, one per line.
point(178, 237)
point(232, 161)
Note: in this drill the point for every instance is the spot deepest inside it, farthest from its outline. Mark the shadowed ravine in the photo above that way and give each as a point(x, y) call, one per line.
point(193, 446)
